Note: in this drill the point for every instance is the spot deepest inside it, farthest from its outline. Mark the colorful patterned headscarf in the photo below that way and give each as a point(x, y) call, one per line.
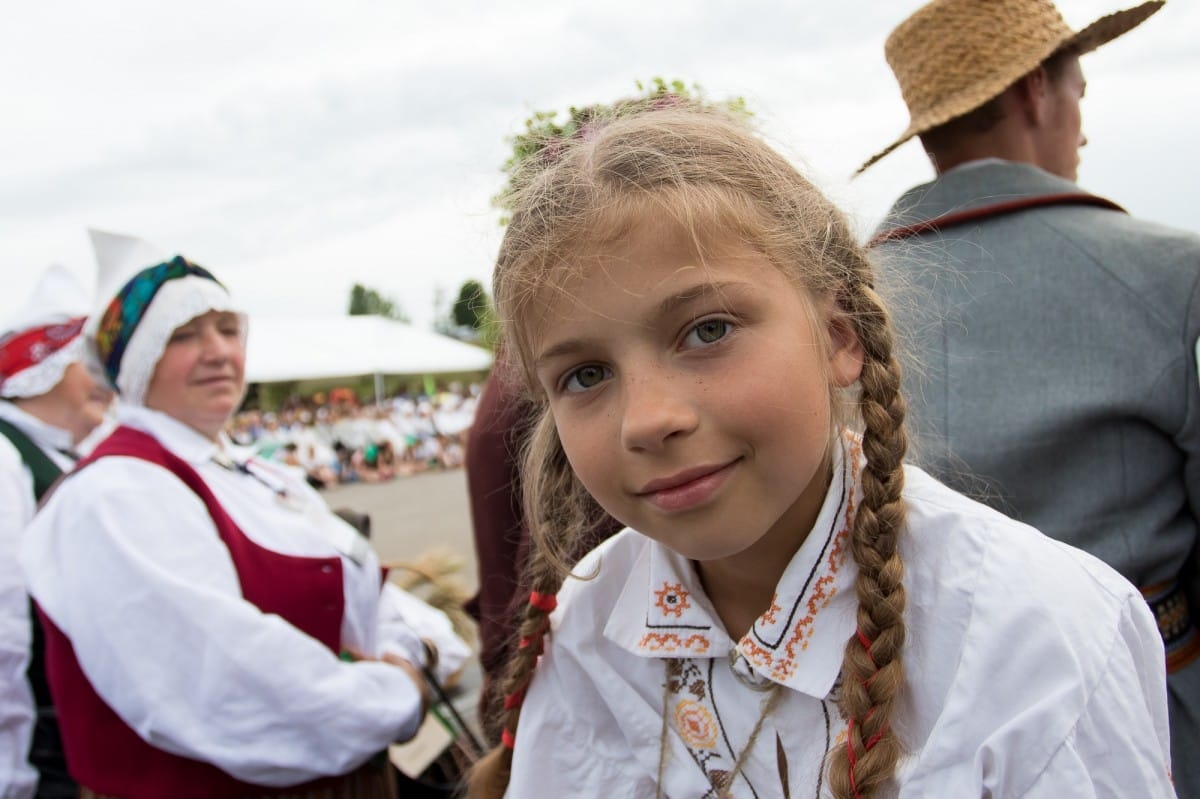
point(123, 315)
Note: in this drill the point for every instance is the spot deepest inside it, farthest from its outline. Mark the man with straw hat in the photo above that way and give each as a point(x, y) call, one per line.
point(1054, 336)
point(49, 403)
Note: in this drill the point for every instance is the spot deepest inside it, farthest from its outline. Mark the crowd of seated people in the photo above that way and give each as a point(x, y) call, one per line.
point(336, 439)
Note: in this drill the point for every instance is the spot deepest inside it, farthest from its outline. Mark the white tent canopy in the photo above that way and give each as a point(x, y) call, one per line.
point(290, 348)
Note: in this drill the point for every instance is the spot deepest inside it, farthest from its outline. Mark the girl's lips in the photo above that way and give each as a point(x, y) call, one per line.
point(687, 489)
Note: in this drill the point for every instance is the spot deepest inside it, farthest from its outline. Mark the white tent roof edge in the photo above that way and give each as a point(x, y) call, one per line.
point(312, 348)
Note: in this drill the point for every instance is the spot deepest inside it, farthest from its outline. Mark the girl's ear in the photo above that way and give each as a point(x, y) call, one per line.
point(846, 352)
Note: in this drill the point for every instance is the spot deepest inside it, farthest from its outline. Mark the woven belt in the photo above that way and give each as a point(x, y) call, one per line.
point(1175, 624)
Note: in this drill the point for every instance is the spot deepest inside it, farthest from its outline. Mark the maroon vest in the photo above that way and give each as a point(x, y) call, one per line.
point(103, 752)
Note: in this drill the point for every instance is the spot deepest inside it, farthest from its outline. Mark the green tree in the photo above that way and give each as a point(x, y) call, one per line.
point(545, 130)
point(470, 317)
point(366, 301)
point(471, 307)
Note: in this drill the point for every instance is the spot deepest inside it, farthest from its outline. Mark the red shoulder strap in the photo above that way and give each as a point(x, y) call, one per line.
point(127, 441)
point(136, 444)
point(305, 591)
point(939, 223)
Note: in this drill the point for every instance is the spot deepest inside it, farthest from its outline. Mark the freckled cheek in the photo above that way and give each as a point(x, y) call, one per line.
point(591, 449)
point(784, 415)
point(572, 434)
point(773, 384)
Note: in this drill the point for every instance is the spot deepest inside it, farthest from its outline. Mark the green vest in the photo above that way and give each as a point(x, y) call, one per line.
point(45, 471)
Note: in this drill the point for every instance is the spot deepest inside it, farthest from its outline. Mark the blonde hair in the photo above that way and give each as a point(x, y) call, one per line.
point(702, 167)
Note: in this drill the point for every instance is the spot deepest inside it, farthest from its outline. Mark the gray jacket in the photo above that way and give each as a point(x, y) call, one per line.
point(1052, 373)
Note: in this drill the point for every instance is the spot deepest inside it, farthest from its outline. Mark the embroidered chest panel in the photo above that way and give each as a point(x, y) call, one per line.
point(710, 717)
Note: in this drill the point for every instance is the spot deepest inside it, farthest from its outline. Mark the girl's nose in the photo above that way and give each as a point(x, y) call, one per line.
point(655, 409)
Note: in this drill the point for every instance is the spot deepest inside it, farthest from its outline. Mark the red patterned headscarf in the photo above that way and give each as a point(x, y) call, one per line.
point(27, 348)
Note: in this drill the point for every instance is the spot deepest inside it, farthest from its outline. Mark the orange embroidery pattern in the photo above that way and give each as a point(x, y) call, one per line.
point(823, 591)
point(695, 725)
point(672, 642)
point(754, 652)
point(672, 599)
point(769, 616)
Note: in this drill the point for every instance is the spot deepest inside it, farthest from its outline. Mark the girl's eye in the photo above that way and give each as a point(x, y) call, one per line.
point(181, 335)
point(709, 331)
point(584, 378)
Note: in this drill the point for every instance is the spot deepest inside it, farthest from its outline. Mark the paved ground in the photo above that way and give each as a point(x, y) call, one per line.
point(411, 515)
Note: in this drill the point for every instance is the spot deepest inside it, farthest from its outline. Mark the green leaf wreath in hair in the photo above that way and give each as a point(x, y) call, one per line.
point(544, 133)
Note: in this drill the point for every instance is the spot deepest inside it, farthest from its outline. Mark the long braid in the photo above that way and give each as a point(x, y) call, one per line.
point(554, 525)
point(872, 670)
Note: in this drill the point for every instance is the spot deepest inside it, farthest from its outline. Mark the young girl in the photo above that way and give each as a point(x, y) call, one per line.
point(791, 611)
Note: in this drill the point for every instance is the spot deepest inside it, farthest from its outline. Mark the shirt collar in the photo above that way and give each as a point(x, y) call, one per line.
point(170, 432)
point(45, 435)
point(799, 642)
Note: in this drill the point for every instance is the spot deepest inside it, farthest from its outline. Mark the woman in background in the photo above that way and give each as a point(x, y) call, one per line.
point(212, 628)
point(48, 405)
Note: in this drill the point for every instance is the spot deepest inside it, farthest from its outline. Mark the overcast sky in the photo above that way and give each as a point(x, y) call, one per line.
point(295, 147)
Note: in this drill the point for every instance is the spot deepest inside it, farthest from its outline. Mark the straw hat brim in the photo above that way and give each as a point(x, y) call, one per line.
point(1098, 33)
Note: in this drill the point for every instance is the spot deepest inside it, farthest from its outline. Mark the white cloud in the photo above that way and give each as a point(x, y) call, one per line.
point(297, 147)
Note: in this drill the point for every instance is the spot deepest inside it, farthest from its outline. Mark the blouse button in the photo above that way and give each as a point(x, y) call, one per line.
point(326, 569)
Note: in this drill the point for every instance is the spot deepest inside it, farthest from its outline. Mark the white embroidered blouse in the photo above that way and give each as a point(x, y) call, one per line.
point(1033, 670)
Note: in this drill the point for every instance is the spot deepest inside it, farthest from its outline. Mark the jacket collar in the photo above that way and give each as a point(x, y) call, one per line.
point(972, 185)
point(662, 610)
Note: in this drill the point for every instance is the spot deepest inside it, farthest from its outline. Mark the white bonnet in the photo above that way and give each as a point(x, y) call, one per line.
point(144, 295)
point(42, 338)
